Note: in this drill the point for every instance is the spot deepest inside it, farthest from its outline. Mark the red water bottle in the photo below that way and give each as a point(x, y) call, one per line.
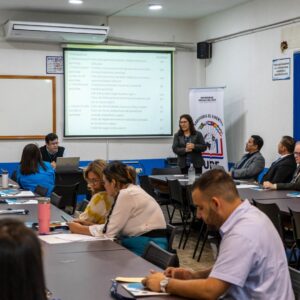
point(44, 215)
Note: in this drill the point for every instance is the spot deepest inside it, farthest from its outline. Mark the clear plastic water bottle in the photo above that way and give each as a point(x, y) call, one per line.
point(191, 174)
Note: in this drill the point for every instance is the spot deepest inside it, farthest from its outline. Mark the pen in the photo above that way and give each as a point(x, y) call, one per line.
point(65, 219)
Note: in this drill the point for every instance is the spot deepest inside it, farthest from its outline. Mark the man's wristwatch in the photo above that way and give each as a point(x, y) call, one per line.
point(163, 284)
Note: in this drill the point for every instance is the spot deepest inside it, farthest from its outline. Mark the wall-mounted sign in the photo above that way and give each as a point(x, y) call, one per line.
point(281, 69)
point(54, 65)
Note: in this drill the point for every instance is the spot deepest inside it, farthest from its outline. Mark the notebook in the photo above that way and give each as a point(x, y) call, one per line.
point(67, 164)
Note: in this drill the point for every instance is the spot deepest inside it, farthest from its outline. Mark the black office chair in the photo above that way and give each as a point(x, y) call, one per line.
point(179, 202)
point(296, 232)
point(69, 197)
point(82, 205)
point(55, 199)
point(160, 257)
point(41, 190)
point(295, 278)
point(273, 212)
point(162, 199)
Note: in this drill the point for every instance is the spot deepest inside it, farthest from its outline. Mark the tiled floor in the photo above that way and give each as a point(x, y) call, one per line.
point(186, 255)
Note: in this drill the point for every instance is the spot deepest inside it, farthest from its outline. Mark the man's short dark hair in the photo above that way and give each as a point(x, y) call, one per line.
point(258, 141)
point(50, 137)
point(217, 182)
point(288, 142)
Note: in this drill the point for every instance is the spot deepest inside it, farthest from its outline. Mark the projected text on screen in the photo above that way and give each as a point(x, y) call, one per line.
point(117, 93)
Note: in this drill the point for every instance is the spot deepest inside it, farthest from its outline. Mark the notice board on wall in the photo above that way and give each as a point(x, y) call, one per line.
point(27, 106)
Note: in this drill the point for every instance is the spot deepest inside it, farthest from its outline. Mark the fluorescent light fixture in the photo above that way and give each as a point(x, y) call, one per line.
point(155, 6)
point(75, 1)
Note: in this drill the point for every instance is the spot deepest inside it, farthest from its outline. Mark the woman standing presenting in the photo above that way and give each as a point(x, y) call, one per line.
point(188, 144)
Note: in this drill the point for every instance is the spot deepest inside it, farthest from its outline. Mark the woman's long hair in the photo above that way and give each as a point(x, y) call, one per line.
point(31, 159)
point(22, 275)
point(191, 124)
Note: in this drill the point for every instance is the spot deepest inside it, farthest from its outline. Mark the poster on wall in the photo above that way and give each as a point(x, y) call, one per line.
point(54, 65)
point(281, 69)
point(207, 111)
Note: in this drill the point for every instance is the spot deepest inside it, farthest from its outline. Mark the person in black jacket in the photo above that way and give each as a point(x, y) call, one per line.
point(188, 144)
point(51, 150)
point(283, 168)
point(294, 184)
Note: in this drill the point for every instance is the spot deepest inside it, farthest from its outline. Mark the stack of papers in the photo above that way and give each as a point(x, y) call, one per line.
point(137, 289)
point(294, 194)
point(14, 193)
point(245, 186)
point(19, 201)
point(69, 238)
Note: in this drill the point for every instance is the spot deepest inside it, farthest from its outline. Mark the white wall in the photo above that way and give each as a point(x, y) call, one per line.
point(254, 104)
point(29, 59)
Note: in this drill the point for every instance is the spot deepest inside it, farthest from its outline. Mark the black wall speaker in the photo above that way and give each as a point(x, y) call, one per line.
point(204, 50)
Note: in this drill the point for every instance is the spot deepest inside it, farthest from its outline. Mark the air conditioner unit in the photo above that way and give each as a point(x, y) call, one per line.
point(54, 32)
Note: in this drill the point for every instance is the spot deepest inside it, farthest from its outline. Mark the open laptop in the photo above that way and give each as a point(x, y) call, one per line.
point(67, 164)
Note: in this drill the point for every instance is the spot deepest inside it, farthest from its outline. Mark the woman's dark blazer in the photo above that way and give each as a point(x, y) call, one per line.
point(179, 149)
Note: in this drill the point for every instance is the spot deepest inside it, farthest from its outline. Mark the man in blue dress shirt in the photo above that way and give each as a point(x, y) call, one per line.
point(251, 263)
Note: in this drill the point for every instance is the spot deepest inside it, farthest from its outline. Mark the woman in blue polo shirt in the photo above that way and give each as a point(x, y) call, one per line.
point(33, 171)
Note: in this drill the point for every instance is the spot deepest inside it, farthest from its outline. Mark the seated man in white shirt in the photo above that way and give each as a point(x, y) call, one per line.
point(251, 263)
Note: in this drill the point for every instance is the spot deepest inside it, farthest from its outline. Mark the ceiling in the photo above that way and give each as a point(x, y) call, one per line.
point(183, 9)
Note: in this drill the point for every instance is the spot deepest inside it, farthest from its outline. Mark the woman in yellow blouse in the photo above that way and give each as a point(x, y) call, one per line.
point(100, 204)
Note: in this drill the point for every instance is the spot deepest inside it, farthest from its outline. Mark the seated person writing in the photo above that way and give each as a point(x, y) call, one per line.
point(283, 168)
point(100, 204)
point(251, 261)
point(33, 171)
point(21, 266)
point(135, 217)
point(294, 184)
point(251, 163)
point(51, 150)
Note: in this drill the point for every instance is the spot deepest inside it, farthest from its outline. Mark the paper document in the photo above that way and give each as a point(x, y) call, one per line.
point(294, 194)
point(69, 237)
point(138, 290)
point(13, 193)
point(245, 186)
point(18, 201)
point(129, 279)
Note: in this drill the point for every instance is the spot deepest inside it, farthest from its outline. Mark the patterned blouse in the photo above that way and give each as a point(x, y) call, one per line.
point(97, 209)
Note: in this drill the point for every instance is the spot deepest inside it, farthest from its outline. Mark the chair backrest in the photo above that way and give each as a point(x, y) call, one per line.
point(55, 199)
point(68, 194)
point(160, 257)
point(295, 278)
point(176, 192)
point(172, 161)
point(166, 171)
point(273, 212)
point(14, 175)
point(171, 232)
point(146, 185)
point(41, 190)
point(296, 225)
point(82, 205)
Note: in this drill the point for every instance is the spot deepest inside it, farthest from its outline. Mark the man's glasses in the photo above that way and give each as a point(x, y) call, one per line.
point(114, 292)
point(297, 153)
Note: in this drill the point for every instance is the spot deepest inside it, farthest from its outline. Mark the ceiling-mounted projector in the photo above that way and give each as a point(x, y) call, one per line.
point(54, 32)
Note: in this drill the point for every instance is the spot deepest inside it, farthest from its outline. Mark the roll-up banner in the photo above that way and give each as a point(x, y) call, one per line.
point(207, 111)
